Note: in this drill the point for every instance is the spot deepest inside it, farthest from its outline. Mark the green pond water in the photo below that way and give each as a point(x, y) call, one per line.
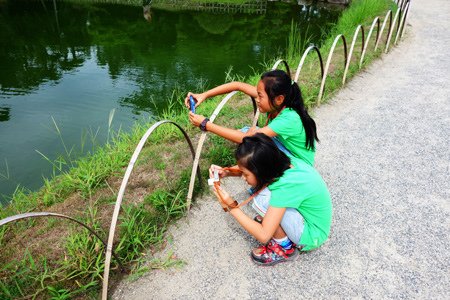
point(74, 64)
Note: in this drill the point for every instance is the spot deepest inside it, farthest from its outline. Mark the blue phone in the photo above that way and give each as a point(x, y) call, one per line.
point(192, 104)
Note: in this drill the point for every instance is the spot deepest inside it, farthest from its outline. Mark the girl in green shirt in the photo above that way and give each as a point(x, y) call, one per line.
point(292, 200)
point(288, 121)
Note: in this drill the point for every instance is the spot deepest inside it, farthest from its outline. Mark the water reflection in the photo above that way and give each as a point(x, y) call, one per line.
point(147, 13)
point(4, 113)
point(126, 47)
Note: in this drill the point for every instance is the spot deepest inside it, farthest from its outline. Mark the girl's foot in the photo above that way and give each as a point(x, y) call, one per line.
point(272, 254)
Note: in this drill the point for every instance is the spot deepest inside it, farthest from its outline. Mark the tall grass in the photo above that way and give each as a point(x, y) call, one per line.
point(297, 41)
point(5, 175)
point(360, 12)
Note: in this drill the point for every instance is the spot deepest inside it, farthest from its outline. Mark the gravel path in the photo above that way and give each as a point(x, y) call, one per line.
point(385, 156)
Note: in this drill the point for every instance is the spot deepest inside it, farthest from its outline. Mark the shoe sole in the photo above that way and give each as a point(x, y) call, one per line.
point(290, 258)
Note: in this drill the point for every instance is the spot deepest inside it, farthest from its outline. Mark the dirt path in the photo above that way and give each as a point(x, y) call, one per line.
point(385, 155)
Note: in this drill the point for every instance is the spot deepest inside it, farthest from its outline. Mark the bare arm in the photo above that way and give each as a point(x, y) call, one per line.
point(224, 172)
point(237, 136)
point(233, 135)
point(223, 89)
point(232, 86)
point(266, 130)
point(262, 232)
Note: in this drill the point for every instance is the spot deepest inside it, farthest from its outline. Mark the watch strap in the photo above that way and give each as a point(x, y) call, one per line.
point(203, 124)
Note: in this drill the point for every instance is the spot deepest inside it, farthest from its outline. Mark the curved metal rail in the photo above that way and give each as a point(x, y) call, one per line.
point(349, 59)
point(123, 186)
point(302, 61)
point(402, 8)
point(405, 3)
point(327, 66)
point(198, 152)
point(375, 21)
point(392, 30)
point(402, 23)
point(56, 215)
point(286, 66)
point(387, 17)
point(406, 15)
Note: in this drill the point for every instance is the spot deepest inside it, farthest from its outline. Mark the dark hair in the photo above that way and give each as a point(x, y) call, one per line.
point(259, 154)
point(278, 82)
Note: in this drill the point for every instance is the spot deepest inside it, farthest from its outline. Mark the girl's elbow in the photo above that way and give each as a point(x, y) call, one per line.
point(264, 238)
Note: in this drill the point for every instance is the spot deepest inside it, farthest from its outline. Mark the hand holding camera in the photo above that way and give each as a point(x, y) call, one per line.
point(215, 173)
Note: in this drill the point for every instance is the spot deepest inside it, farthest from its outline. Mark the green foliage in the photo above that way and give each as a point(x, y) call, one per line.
point(59, 294)
point(83, 264)
point(84, 259)
point(3, 230)
point(22, 201)
point(24, 274)
point(360, 12)
point(138, 228)
point(221, 152)
point(223, 1)
point(155, 264)
point(6, 174)
point(297, 41)
point(168, 204)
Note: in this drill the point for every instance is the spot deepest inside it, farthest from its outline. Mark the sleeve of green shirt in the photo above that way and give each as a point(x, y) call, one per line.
point(282, 124)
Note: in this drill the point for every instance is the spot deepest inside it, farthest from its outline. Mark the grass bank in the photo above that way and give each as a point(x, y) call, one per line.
point(63, 261)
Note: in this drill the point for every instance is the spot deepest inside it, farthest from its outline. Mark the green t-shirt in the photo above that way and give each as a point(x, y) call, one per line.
point(302, 188)
point(290, 132)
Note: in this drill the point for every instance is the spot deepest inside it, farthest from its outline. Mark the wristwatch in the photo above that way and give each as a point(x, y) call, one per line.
point(203, 124)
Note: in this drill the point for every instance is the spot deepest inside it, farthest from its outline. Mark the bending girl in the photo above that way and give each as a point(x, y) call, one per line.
point(293, 201)
point(287, 118)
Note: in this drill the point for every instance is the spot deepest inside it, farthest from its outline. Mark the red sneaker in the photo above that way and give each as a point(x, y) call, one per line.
point(272, 254)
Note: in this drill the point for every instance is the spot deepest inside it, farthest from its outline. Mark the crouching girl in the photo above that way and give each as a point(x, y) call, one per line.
point(292, 202)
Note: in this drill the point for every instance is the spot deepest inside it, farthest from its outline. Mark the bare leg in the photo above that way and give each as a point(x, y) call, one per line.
point(279, 233)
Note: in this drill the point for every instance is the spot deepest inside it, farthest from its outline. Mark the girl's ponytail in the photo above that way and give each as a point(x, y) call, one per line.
point(295, 101)
point(278, 82)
